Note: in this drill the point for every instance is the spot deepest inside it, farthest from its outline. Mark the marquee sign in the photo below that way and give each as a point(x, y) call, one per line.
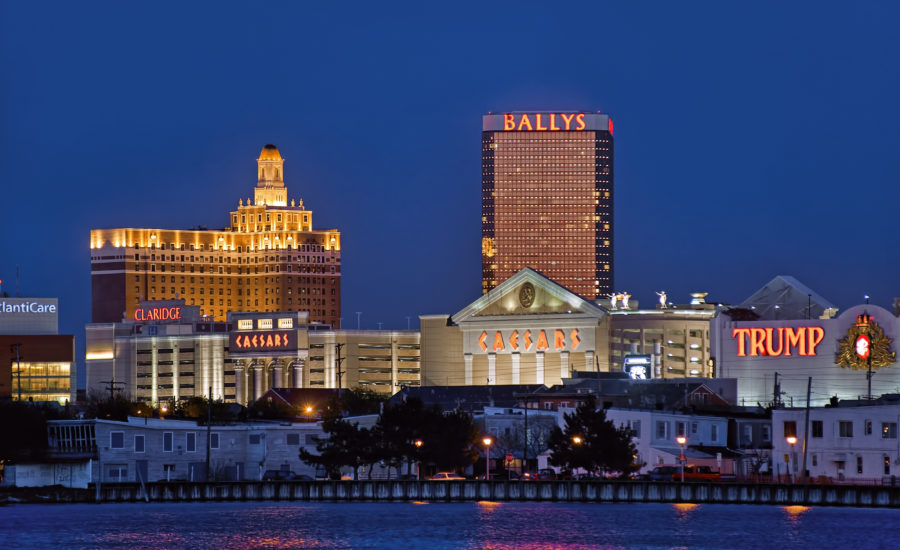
point(762, 341)
point(526, 341)
point(269, 340)
point(157, 314)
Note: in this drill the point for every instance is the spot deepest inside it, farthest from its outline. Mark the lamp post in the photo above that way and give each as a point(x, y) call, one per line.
point(576, 440)
point(309, 411)
point(487, 461)
point(792, 440)
point(418, 444)
point(681, 441)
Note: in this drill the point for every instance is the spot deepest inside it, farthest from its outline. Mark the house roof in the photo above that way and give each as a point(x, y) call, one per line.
point(467, 398)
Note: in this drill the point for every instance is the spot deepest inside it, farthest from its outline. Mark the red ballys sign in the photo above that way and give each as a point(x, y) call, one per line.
point(157, 314)
point(544, 122)
point(762, 341)
point(263, 341)
point(524, 341)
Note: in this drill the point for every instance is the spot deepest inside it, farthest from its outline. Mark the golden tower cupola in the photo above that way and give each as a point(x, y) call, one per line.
point(270, 188)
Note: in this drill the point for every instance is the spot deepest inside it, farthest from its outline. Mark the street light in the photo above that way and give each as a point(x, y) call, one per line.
point(792, 440)
point(418, 444)
point(308, 410)
point(487, 462)
point(577, 439)
point(681, 441)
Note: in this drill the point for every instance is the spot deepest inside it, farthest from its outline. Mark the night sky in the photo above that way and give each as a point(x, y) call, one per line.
point(750, 142)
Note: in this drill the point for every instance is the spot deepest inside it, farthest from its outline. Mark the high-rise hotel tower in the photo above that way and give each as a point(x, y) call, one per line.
point(547, 198)
point(269, 259)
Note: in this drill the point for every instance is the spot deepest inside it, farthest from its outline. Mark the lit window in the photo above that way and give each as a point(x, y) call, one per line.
point(265, 323)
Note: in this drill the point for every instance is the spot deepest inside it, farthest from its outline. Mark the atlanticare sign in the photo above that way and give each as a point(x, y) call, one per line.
point(527, 340)
point(781, 341)
point(25, 306)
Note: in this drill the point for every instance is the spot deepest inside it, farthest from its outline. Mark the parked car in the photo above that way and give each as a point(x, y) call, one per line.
point(447, 476)
point(302, 477)
point(700, 473)
point(664, 473)
point(277, 475)
point(543, 475)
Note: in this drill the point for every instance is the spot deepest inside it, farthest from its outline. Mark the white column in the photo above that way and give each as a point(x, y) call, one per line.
point(238, 383)
point(563, 364)
point(258, 381)
point(492, 369)
point(539, 371)
point(277, 381)
point(589, 361)
point(298, 373)
point(516, 368)
point(468, 360)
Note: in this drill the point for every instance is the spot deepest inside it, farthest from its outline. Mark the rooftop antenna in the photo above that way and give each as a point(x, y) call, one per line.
point(358, 317)
point(18, 294)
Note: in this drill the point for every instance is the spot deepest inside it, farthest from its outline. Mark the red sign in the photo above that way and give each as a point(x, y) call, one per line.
point(803, 340)
point(263, 341)
point(542, 344)
point(509, 458)
point(863, 346)
point(157, 314)
point(542, 122)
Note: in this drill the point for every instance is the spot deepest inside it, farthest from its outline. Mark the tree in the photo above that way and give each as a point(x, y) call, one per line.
point(346, 445)
point(591, 442)
point(400, 425)
point(450, 440)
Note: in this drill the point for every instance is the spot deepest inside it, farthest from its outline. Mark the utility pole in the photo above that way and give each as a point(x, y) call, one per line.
point(777, 392)
point(525, 438)
point(16, 347)
point(340, 372)
point(111, 387)
point(806, 428)
point(208, 431)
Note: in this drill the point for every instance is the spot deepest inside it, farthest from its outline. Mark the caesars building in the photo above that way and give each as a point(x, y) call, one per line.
point(167, 350)
point(268, 259)
point(774, 359)
point(36, 362)
point(526, 330)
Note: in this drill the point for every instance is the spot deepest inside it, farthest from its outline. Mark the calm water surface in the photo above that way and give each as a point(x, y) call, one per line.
point(443, 526)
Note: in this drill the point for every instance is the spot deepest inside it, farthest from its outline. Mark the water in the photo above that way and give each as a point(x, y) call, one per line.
point(414, 526)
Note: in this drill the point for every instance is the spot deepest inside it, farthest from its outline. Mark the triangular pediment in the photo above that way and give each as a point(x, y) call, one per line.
point(528, 293)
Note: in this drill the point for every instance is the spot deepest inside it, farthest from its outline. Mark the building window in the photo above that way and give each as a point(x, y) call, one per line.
point(255, 439)
point(662, 429)
point(680, 428)
point(748, 435)
point(815, 459)
point(715, 432)
point(636, 428)
point(213, 440)
point(790, 428)
point(293, 439)
point(116, 440)
point(767, 433)
point(889, 430)
point(191, 443)
point(264, 323)
point(117, 472)
point(139, 443)
point(867, 427)
point(817, 428)
point(887, 465)
point(167, 442)
point(846, 428)
point(859, 468)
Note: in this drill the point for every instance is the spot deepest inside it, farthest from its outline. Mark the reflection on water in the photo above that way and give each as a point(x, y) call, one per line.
point(437, 525)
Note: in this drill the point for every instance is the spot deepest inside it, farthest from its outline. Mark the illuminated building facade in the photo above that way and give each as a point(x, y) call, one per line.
point(169, 351)
point(36, 362)
point(547, 199)
point(269, 259)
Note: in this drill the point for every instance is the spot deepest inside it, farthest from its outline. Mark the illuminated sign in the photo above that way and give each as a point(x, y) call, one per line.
point(269, 340)
point(542, 122)
point(526, 340)
point(638, 367)
point(24, 306)
point(802, 340)
point(157, 314)
point(863, 345)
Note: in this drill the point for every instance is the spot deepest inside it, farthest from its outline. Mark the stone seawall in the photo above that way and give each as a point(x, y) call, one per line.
point(458, 491)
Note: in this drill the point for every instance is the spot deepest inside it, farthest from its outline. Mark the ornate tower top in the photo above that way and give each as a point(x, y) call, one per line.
point(270, 188)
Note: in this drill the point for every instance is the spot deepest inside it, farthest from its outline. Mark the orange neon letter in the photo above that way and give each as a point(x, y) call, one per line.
point(509, 122)
point(553, 126)
point(579, 119)
point(528, 342)
point(575, 339)
point(481, 340)
point(537, 124)
point(542, 341)
point(559, 339)
point(796, 339)
point(741, 335)
point(757, 342)
point(770, 350)
point(816, 334)
point(498, 341)
point(524, 122)
point(514, 340)
point(567, 120)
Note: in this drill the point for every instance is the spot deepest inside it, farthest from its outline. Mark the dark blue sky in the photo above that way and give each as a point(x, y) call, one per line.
point(750, 141)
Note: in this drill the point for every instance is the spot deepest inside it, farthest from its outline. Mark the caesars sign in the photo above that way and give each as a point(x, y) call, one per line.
point(539, 340)
point(780, 341)
point(263, 341)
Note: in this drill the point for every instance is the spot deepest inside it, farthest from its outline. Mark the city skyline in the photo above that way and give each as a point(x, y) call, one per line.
point(725, 179)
